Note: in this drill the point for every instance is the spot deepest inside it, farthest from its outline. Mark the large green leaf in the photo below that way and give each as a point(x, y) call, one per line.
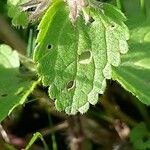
point(76, 59)
point(135, 12)
point(134, 72)
point(13, 88)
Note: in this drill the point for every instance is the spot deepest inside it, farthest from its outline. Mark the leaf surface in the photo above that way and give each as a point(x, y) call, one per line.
point(13, 88)
point(134, 72)
point(75, 60)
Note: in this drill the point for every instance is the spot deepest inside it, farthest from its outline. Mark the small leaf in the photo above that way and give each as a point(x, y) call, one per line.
point(19, 18)
point(73, 66)
point(13, 88)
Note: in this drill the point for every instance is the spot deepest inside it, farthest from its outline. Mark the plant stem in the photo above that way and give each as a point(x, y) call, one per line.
point(101, 116)
point(27, 62)
point(54, 144)
point(76, 137)
point(30, 46)
point(56, 128)
point(4, 134)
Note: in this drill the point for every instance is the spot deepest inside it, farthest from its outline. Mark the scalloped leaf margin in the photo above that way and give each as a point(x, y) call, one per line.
point(75, 60)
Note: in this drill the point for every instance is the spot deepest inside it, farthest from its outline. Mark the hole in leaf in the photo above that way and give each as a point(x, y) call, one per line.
point(70, 85)
point(49, 46)
point(112, 25)
point(31, 9)
point(145, 138)
point(85, 57)
point(91, 20)
point(4, 95)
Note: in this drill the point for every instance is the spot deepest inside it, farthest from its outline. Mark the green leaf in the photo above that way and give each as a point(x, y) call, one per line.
point(13, 88)
point(134, 72)
point(140, 137)
point(19, 18)
point(75, 60)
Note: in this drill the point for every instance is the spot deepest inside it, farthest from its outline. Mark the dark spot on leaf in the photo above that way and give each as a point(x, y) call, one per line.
point(85, 57)
point(70, 85)
point(4, 95)
point(49, 46)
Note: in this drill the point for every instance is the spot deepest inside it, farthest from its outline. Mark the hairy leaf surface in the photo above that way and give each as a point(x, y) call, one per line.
point(74, 60)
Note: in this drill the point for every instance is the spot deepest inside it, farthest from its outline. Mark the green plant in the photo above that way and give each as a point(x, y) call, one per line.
point(79, 46)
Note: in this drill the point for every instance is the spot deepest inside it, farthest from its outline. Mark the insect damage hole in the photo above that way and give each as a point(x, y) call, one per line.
point(91, 20)
point(70, 85)
point(49, 46)
point(31, 9)
point(112, 26)
point(85, 57)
